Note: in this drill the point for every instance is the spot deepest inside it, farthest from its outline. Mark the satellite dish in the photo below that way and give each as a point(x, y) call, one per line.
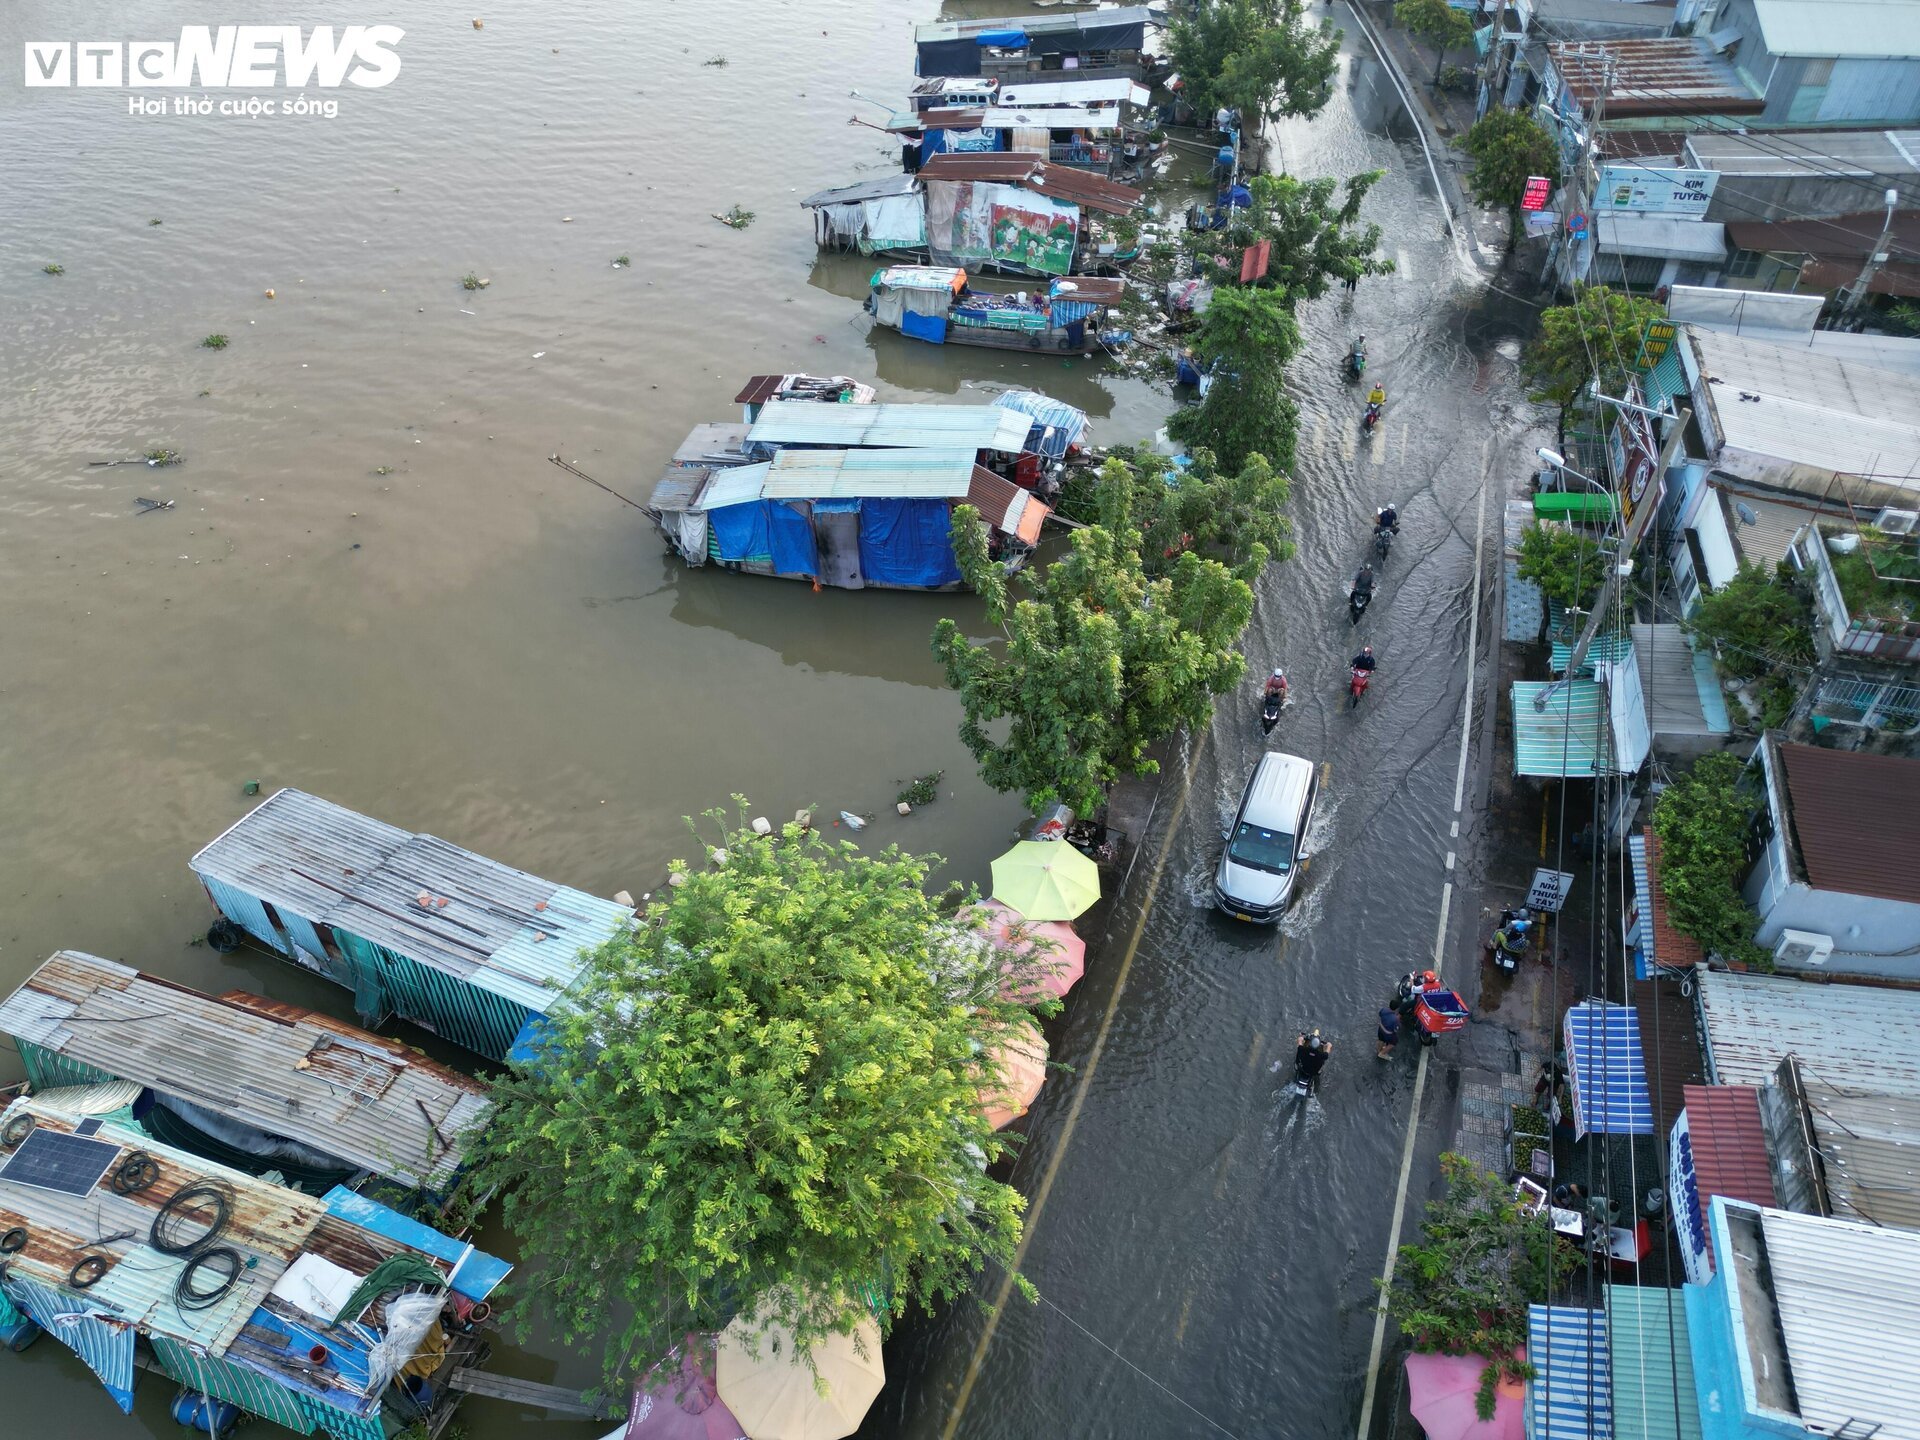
point(1745, 512)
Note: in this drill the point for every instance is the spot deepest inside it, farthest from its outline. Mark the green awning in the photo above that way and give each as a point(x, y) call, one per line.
point(1608, 649)
point(1653, 1392)
point(1570, 737)
point(1587, 505)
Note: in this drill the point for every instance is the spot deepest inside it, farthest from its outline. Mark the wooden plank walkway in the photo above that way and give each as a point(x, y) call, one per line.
point(555, 1399)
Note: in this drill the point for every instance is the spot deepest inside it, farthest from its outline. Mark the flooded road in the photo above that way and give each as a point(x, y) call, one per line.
point(1204, 1246)
point(372, 584)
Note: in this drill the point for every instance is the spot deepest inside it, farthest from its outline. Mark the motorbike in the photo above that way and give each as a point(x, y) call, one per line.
point(1383, 541)
point(1511, 939)
point(1357, 602)
point(1357, 360)
point(1428, 1008)
point(1306, 1079)
point(1372, 417)
point(1270, 707)
point(1357, 683)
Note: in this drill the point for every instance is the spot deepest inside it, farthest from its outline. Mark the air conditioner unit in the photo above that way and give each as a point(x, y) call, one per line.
point(1899, 522)
point(1802, 947)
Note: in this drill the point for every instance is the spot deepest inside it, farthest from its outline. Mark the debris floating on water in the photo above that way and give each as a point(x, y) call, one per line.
point(147, 507)
point(735, 217)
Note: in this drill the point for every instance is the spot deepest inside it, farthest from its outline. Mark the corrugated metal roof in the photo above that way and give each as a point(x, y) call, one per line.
point(678, 488)
point(920, 277)
point(495, 927)
point(1073, 92)
point(719, 441)
point(1729, 1143)
point(1846, 1034)
point(1869, 1148)
point(1056, 182)
point(1861, 154)
point(1606, 649)
point(1674, 75)
point(1653, 1394)
point(1033, 24)
point(869, 474)
point(735, 485)
point(1055, 426)
point(373, 1103)
point(1842, 29)
point(1607, 1069)
point(805, 422)
point(1005, 505)
point(881, 189)
point(1570, 737)
point(1571, 1393)
point(1059, 117)
point(1856, 818)
point(1845, 1295)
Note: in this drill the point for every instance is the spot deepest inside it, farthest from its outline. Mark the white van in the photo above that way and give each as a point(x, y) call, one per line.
point(1264, 856)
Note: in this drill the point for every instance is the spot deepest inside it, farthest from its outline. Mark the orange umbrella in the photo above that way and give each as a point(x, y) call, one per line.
point(1020, 1065)
point(1057, 952)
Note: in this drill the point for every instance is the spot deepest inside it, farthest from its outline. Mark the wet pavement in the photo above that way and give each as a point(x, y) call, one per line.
point(1205, 1246)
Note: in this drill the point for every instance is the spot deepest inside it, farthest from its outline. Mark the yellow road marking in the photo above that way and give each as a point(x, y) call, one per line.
point(1040, 1195)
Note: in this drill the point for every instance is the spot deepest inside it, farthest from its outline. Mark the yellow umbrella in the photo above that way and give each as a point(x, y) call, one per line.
point(773, 1393)
point(1046, 880)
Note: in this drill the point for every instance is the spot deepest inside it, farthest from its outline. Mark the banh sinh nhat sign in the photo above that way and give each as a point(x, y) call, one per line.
point(1655, 190)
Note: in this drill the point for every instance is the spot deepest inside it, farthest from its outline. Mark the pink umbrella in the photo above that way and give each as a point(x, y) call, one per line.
point(679, 1400)
point(1059, 955)
point(1443, 1390)
point(1021, 1060)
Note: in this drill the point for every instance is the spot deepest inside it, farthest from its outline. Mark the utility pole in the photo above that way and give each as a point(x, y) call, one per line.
point(1874, 260)
point(1636, 528)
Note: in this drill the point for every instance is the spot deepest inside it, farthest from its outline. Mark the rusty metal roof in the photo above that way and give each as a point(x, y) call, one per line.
point(1856, 820)
point(1676, 75)
point(373, 1103)
point(1855, 1035)
point(1005, 506)
point(1056, 182)
point(1673, 948)
point(1729, 1143)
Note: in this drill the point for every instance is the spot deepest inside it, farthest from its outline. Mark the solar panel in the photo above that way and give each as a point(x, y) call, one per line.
point(52, 1160)
point(87, 1126)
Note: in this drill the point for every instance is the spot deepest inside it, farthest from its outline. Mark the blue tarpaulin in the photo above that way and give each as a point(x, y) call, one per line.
point(1002, 39)
point(907, 542)
point(793, 548)
point(741, 531)
point(1608, 1070)
point(924, 327)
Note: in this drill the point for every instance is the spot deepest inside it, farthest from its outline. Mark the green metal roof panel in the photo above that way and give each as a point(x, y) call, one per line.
point(1652, 1364)
point(1568, 738)
point(1614, 649)
point(1573, 505)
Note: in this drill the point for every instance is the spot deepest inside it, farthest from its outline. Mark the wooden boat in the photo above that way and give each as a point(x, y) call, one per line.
point(943, 306)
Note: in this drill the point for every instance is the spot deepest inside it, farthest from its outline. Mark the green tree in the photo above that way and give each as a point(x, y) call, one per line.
point(1236, 517)
point(1438, 23)
point(1567, 566)
point(1756, 622)
point(1598, 334)
point(1702, 821)
point(1262, 57)
point(1315, 229)
point(765, 1091)
point(1464, 1286)
point(1095, 660)
point(1506, 147)
point(1247, 336)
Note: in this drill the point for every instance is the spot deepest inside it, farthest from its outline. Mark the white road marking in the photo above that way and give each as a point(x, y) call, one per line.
point(1400, 265)
point(1439, 949)
point(1346, 446)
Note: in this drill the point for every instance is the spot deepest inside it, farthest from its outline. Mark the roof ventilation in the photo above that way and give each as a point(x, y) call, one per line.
point(1802, 947)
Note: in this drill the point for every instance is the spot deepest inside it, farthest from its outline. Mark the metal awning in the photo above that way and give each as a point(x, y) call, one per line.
point(1571, 1394)
point(1587, 505)
point(1653, 1388)
point(1661, 237)
point(1607, 1070)
point(733, 486)
point(869, 474)
point(1608, 649)
point(1569, 737)
point(891, 426)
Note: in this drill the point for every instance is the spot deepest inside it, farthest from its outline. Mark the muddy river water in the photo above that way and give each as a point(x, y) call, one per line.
point(371, 584)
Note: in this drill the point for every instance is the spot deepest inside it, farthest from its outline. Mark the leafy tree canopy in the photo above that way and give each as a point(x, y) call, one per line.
point(765, 1092)
point(1096, 660)
point(1247, 336)
point(1701, 820)
point(1464, 1286)
point(1602, 327)
point(1262, 57)
point(1567, 566)
point(1438, 23)
point(1507, 146)
point(1757, 622)
point(1315, 229)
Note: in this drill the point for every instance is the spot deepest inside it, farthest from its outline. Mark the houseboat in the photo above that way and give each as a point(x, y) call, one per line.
point(325, 1314)
point(461, 945)
point(847, 518)
point(248, 1082)
point(829, 389)
point(1106, 44)
point(940, 305)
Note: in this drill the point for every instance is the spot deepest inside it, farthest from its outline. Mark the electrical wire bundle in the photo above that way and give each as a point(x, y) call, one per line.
point(207, 1205)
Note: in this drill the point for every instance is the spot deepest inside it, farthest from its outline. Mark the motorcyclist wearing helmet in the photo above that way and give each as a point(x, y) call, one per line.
point(1377, 396)
point(1387, 518)
point(1277, 684)
point(1364, 660)
point(1311, 1053)
point(1363, 582)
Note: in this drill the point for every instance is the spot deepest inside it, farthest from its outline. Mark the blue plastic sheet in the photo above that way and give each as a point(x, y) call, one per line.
point(907, 542)
point(1002, 39)
point(793, 547)
point(742, 532)
point(931, 328)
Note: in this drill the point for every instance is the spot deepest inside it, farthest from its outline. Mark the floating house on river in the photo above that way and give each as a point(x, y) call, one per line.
point(797, 425)
point(1095, 44)
point(461, 945)
point(326, 1314)
point(248, 1082)
point(939, 304)
point(851, 519)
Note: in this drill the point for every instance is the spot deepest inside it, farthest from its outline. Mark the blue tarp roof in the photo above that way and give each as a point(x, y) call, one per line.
point(1571, 1394)
point(1056, 424)
point(1608, 1070)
